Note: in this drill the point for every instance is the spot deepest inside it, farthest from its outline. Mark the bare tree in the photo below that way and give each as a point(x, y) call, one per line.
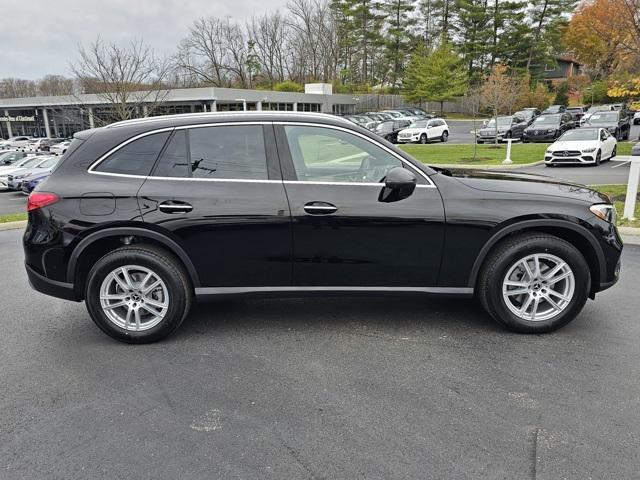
point(215, 52)
point(55, 85)
point(270, 34)
point(18, 88)
point(499, 93)
point(128, 79)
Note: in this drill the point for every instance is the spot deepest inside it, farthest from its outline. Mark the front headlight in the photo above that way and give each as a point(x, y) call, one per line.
point(606, 212)
point(588, 150)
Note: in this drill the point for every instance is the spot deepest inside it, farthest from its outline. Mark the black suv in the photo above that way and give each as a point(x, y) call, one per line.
point(141, 217)
point(618, 123)
point(548, 127)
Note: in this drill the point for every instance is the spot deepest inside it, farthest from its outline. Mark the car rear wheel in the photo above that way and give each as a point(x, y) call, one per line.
point(423, 138)
point(534, 283)
point(138, 294)
point(614, 152)
point(444, 137)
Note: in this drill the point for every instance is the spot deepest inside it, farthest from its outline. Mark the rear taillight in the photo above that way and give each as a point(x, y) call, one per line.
point(41, 199)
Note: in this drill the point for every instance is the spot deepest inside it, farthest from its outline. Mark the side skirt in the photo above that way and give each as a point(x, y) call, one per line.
point(210, 293)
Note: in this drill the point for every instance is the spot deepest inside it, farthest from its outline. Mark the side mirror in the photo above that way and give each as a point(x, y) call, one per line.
point(398, 185)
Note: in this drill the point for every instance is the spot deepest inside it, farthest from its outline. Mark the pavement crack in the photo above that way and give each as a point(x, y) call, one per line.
point(534, 453)
point(296, 456)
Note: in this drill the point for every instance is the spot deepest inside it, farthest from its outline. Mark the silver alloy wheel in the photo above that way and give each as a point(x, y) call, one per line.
point(538, 287)
point(134, 298)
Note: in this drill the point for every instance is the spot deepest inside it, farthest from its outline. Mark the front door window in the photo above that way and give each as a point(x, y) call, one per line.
point(334, 156)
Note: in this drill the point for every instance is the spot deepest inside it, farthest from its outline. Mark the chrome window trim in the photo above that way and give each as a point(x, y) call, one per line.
point(95, 164)
point(366, 138)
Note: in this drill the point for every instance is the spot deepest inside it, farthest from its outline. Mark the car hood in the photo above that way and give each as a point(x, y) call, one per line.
point(412, 131)
point(543, 128)
point(602, 124)
point(524, 183)
point(574, 145)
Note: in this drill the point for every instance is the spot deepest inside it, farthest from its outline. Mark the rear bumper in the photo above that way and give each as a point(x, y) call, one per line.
point(50, 287)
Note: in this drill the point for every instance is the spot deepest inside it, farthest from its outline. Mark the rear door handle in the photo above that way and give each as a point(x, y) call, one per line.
point(320, 208)
point(175, 206)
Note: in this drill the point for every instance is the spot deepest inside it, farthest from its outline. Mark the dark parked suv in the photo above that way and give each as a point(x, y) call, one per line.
point(143, 217)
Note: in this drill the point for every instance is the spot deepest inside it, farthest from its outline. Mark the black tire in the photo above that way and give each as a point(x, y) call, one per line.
point(627, 134)
point(444, 137)
point(166, 267)
point(598, 158)
point(509, 134)
point(423, 139)
point(500, 260)
point(614, 153)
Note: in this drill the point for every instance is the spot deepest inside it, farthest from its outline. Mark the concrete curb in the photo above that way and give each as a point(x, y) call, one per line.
point(630, 235)
point(13, 225)
point(487, 167)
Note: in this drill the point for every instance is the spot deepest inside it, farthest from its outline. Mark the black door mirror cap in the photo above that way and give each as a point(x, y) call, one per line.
point(399, 184)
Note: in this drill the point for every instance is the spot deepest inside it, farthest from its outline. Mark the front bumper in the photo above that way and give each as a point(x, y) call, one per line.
point(582, 159)
point(540, 137)
point(14, 184)
point(412, 139)
point(50, 287)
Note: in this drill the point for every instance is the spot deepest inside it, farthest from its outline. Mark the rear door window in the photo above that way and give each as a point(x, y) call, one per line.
point(228, 152)
point(136, 157)
point(174, 161)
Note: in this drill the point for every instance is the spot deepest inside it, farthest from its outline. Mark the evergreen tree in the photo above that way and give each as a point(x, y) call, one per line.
point(437, 77)
point(472, 20)
point(562, 95)
point(548, 17)
point(400, 21)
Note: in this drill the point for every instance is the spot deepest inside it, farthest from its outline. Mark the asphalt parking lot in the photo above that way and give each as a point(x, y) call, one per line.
point(340, 388)
point(461, 131)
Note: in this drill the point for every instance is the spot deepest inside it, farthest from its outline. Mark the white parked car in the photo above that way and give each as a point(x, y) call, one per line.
point(582, 146)
point(636, 118)
point(422, 131)
point(14, 143)
point(60, 148)
point(27, 162)
point(35, 144)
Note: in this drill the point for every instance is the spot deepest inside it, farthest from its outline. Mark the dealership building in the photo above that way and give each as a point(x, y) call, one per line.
point(62, 116)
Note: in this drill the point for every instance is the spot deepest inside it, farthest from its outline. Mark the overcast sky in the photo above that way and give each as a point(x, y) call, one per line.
point(38, 37)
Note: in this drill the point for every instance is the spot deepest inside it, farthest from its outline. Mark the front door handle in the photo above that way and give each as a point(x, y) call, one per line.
point(320, 208)
point(175, 206)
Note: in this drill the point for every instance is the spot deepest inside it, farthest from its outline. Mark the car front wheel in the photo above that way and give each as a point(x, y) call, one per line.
point(444, 137)
point(423, 138)
point(534, 283)
point(138, 294)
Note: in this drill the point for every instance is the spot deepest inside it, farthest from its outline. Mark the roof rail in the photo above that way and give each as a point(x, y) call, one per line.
point(136, 121)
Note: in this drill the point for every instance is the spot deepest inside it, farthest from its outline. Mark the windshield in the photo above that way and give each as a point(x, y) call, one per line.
point(574, 109)
point(49, 163)
point(580, 134)
point(420, 124)
point(502, 122)
point(547, 120)
point(31, 162)
point(599, 108)
point(604, 117)
point(394, 114)
point(553, 109)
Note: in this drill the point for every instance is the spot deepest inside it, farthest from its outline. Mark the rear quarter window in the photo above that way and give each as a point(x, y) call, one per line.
point(136, 157)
